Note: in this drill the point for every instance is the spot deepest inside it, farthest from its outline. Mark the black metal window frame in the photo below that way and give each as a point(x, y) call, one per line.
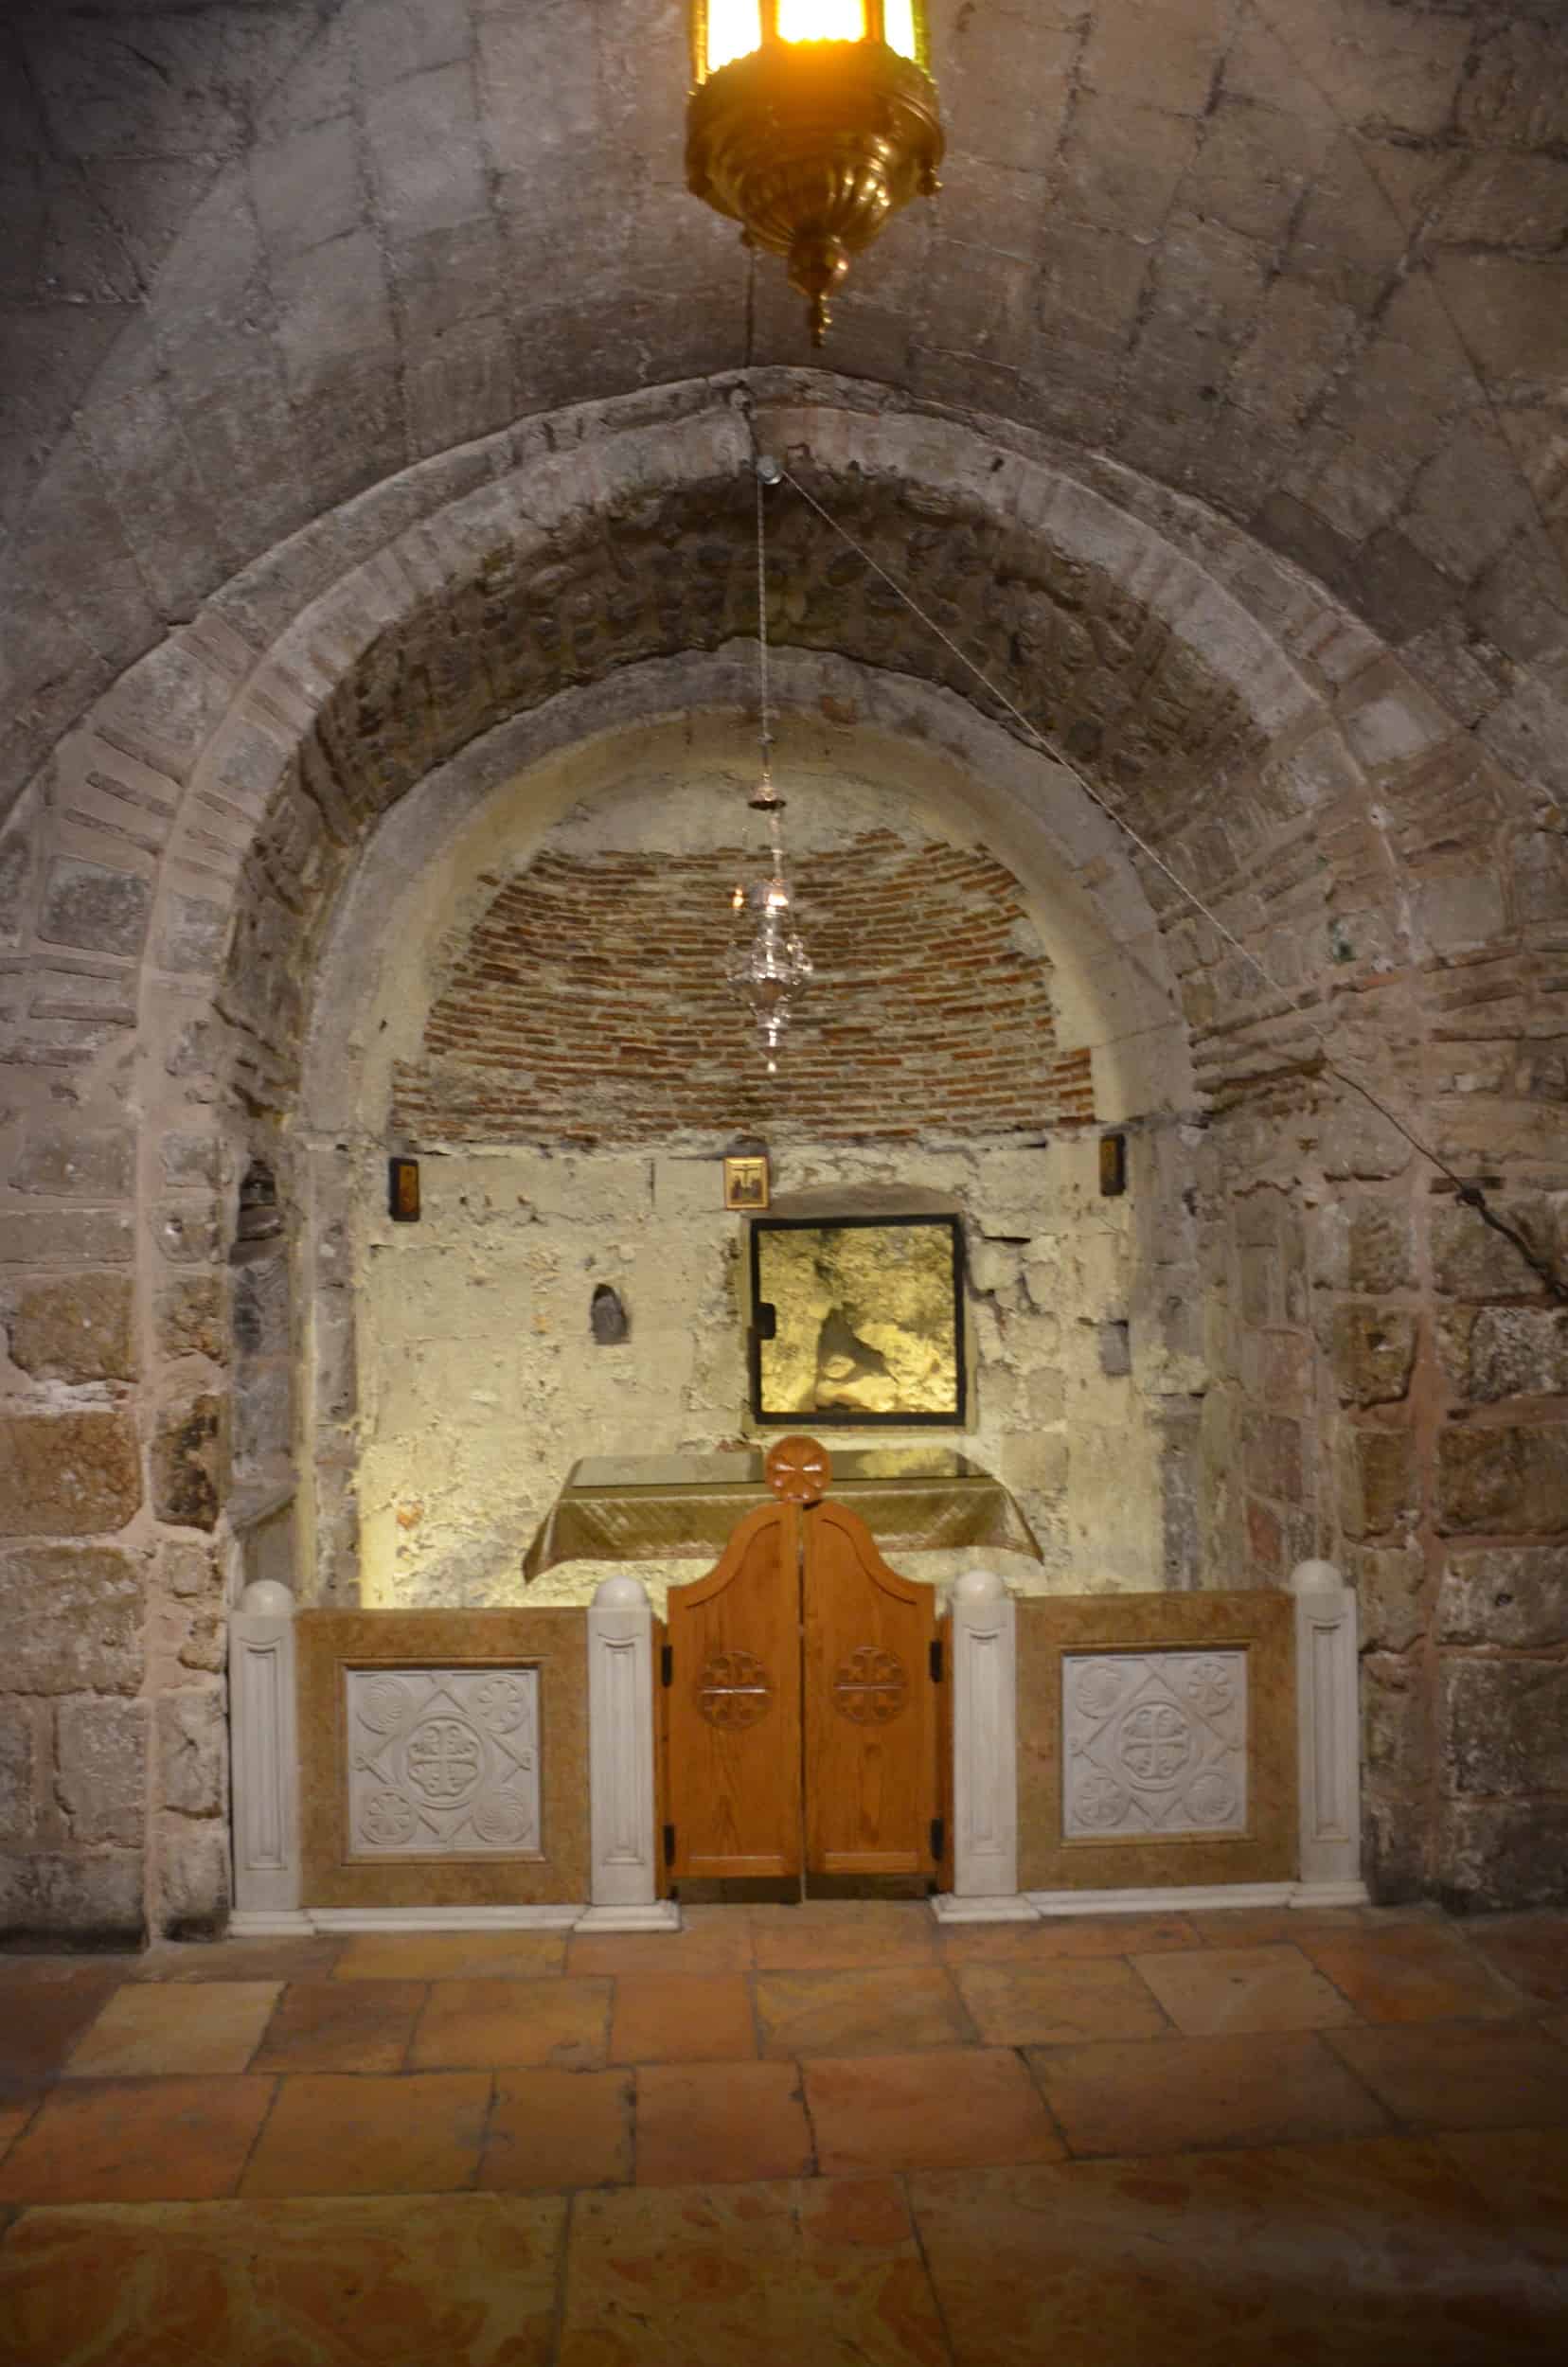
point(844, 1417)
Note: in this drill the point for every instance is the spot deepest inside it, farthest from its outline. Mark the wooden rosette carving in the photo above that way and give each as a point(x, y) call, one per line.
point(799, 1470)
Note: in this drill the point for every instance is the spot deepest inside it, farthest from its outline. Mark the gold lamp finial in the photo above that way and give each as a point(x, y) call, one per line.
point(812, 122)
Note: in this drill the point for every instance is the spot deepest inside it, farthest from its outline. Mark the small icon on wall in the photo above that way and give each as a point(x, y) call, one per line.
point(402, 1190)
point(746, 1183)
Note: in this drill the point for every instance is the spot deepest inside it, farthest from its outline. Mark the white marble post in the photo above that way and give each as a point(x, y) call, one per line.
point(265, 1784)
point(984, 1755)
point(621, 1798)
point(1328, 1736)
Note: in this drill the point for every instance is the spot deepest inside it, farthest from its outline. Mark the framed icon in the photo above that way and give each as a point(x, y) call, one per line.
point(402, 1190)
point(746, 1183)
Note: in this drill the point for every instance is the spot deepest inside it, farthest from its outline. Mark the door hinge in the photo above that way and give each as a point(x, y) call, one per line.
point(938, 1838)
point(669, 1844)
point(937, 1661)
point(667, 1663)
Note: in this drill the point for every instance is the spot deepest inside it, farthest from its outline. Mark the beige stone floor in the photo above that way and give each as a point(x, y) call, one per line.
point(824, 2136)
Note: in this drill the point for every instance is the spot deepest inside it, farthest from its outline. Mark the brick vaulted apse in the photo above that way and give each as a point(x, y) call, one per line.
point(587, 1005)
point(371, 436)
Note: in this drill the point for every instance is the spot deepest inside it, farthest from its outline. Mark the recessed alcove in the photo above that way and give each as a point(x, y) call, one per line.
point(524, 991)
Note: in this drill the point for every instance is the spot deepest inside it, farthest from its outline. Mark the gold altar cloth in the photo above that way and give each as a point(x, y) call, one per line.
point(662, 1507)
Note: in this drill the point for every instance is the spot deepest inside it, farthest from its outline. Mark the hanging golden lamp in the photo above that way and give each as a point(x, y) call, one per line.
point(811, 122)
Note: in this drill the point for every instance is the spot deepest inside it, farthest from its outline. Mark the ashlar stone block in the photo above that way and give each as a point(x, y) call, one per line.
point(70, 1620)
point(1505, 1478)
point(101, 911)
point(1374, 1351)
point(100, 1770)
point(1505, 1727)
point(67, 1474)
point(191, 1753)
point(95, 1900)
point(1513, 1595)
point(75, 1328)
point(187, 1456)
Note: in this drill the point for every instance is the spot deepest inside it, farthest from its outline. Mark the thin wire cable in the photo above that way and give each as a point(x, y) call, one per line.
point(1471, 1194)
point(762, 634)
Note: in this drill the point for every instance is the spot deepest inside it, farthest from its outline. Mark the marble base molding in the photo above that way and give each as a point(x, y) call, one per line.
point(325, 1922)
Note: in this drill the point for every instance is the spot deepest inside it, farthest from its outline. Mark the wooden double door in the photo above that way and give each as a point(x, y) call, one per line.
point(800, 1693)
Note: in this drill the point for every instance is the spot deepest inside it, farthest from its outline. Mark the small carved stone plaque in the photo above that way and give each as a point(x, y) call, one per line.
point(1153, 1743)
point(442, 1762)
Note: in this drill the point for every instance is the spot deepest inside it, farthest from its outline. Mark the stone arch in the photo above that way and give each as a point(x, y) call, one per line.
point(179, 860)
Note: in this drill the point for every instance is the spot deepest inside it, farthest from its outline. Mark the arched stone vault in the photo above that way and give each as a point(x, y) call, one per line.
point(1300, 259)
point(186, 850)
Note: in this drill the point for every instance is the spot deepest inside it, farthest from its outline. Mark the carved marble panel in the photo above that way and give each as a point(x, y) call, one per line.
point(442, 1762)
point(1153, 1743)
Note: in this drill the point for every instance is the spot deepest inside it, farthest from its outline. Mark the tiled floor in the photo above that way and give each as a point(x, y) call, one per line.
point(827, 2136)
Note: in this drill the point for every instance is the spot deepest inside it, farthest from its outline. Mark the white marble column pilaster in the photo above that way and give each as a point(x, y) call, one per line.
point(1329, 1737)
point(621, 1797)
point(984, 1677)
point(266, 1754)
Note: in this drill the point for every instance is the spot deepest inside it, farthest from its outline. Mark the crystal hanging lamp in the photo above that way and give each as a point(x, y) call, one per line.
point(769, 966)
point(812, 122)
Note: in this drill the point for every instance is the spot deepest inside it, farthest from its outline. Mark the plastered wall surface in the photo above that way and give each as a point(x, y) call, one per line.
point(482, 1384)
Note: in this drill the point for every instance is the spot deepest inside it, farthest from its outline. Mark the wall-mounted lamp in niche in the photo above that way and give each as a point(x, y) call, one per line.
point(402, 1190)
point(606, 1318)
point(1112, 1166)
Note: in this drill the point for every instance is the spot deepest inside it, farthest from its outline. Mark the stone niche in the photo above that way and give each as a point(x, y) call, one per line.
point(550, 1036)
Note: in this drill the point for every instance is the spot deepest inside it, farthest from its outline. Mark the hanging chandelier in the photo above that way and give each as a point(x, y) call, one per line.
point(812, 122)
point(769, 966)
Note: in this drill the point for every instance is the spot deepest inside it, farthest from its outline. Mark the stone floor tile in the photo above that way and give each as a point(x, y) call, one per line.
point(466, 2280)
point(935, 2110)
point(14, 2120)
point(708, 2124)
point(682, 2017)
point(308, 1958)
point(829, 1935)
point(1461, 2075)
point(1412, 1972)
point(1170, 2095)
point(1268, 1927)
point(143, 2030)
point(1062, 1936)
point(551, 2129)
point(45, 2004)
point(1530, 1950)
point(560, 2024)
point(1236, 1990)
point(347, 2133)
point(1058, 2003)
point(711, 1939)
point(858, 2013)
point(342, 2026)
point(136, 2141)
point(749, 2276)
point(451, 1955)
point(1372, 2251)
point(1524, 2174)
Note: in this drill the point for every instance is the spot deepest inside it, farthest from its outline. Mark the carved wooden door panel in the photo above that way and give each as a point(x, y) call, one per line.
point(733, 1702)
point(872, 1765)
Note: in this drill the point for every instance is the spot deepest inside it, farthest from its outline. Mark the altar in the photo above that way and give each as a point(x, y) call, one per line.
point(930, 1507)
